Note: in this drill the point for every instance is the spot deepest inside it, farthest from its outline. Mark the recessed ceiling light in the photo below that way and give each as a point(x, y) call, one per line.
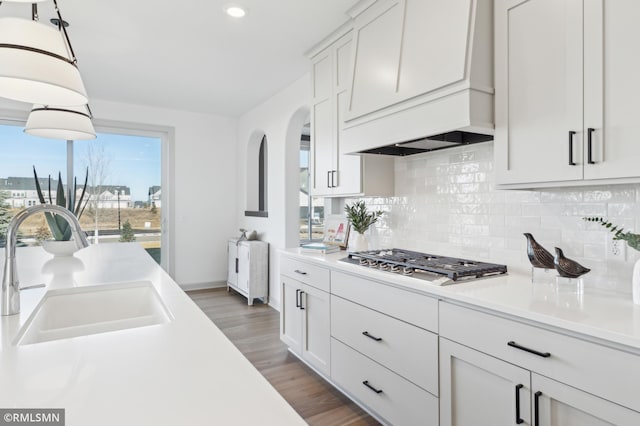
point(235, 11)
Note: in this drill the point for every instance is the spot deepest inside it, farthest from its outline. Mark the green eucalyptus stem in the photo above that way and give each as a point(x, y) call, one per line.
point(360, 218)
point(633, 240)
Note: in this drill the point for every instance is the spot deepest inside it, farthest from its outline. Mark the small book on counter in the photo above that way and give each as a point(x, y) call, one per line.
point(319, 248)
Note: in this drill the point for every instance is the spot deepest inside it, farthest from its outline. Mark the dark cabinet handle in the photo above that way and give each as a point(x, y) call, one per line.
point(590, 131)
point(536, 408)
point(301, 293)
point(366, 383)
point(531, 351)
point(329, 179)
point(297, 298)
point(237, 268)
point(377, 339)
point(297, 271)
point(571, 133)
point(333, 179)
point(518, 419)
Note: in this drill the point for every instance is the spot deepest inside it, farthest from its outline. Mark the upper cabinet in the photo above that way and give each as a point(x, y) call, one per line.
point(333, 172)
point(566, 92)
point(419, 68)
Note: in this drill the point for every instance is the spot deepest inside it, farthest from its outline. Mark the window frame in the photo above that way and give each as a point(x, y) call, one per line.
point(166, 135)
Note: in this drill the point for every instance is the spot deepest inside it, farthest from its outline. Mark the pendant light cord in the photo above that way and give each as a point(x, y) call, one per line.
point(64, 31)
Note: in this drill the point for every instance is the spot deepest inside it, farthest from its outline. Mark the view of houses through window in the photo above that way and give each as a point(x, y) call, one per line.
point(121, 201)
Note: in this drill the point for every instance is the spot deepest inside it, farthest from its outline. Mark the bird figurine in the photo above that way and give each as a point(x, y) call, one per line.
point(538, 255)
point(566, 267)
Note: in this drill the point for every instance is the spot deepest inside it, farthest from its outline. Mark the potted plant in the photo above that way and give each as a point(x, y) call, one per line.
point(633, 241)
point(59, 227)
point(360, 220)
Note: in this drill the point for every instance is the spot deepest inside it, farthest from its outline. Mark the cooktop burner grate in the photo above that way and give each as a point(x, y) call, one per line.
point(407, 262)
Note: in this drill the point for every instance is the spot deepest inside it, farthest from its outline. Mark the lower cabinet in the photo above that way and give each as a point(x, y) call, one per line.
point(395, 399)
point(410, 359)
point(557, 404)
point(478, 388)
point(304, 323)
point(384, 349)
point(248, 268)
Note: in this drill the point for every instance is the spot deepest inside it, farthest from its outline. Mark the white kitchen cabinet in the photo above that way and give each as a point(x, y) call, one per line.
point(304, 318)
point(419, 68)
point(248, 268)
point(556, 404)
point(566, 92)
point(334, 173)
point(484, 358)
point(384, 349)
point(391, 397)
point(477, 389)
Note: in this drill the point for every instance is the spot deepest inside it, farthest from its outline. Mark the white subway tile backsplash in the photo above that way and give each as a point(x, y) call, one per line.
point(622, 210)
point(446, 204)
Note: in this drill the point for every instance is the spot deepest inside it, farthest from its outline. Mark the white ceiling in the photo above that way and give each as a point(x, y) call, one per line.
point(187, 54)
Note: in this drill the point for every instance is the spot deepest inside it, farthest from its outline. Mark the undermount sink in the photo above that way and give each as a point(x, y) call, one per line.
point(82, 311)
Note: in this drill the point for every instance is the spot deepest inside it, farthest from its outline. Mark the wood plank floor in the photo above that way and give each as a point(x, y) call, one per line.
point(255, 331)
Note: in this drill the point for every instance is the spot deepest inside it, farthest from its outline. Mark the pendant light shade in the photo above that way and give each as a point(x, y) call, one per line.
point(36, 65)
point(66, 123)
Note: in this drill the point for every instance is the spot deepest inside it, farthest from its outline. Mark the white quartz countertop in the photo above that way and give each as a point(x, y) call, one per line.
point(606, 316)
point(184, 372)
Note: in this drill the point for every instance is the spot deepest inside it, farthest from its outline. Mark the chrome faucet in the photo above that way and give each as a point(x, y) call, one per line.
point(10, 282)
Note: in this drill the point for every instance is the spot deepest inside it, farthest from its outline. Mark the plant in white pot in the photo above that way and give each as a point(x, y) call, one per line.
point(633, 241)
point(59, 227)
point(361, 220)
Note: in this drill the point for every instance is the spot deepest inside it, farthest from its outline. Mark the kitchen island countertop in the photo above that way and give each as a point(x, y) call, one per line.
point(184, 372)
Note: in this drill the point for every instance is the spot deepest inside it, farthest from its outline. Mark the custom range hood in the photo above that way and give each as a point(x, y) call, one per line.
point(428, 86)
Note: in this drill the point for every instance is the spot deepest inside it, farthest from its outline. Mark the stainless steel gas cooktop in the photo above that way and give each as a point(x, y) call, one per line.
point(434, 268)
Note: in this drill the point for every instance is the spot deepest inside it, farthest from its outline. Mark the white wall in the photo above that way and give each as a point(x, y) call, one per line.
point(446, 203)
point(272, 118)
point(204, 188)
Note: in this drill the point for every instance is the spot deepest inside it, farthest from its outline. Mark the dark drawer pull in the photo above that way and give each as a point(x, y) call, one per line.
point(366, 383)
point(536, 408)
point(531, 351)
point(301, 293)
point(297, 298)
point(297, 271)
point(590, 131)
point(518, 419)
point(571, 133)
point(377, 339)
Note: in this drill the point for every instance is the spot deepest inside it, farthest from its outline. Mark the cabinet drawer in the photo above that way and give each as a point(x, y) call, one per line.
point(403, 348)
point(600, 370)
point(404, 305)
point(399, 402)
point(307, 273)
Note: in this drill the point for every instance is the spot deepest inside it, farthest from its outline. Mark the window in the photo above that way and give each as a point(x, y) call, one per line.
point(123, 167)
point(262, 175)
point(311, 208)
point(257, 176)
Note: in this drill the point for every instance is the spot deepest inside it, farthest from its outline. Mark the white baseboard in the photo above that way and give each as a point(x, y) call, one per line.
point(203, 286)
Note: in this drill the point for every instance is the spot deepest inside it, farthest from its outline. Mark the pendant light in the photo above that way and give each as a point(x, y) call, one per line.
point(66, 123)
point(38, 62)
